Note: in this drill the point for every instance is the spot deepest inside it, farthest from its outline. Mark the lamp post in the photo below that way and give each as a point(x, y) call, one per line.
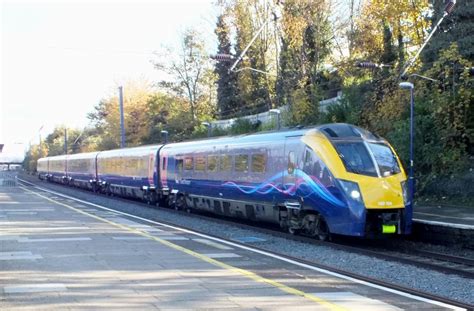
point(209, 128)
point(277, 112)
point(411, 179)
point(122, 124)
point(164, 136)
point(40, 153)
point(65, 141)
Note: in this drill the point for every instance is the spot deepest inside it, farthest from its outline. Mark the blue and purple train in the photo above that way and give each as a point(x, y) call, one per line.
point(330, 179)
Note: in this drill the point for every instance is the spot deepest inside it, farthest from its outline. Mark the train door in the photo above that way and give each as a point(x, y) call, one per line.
point(291, 160)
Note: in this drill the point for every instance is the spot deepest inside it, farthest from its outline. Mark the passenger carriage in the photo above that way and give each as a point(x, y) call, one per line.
point(334, 178)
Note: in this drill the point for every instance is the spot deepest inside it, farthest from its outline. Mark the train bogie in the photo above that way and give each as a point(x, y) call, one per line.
point(81, 170)
point(42, 168)
point(57, 169)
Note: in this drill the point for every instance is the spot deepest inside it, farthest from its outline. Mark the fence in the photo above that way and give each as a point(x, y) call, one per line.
point(268, 117)
point(8, 178)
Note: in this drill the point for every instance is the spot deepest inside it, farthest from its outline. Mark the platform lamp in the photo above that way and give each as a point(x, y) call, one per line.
point(411, 178)
point(277, 112)
point(164, 136)
point(209, 128)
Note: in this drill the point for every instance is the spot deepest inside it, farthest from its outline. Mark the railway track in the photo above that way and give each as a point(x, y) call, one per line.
point(424, 259)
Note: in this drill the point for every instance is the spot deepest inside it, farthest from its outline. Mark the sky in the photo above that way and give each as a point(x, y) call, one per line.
point(60, 58)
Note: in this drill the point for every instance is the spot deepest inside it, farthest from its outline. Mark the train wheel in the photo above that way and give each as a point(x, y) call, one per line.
point(315, 226)
point(180, 203)
point(293, 231)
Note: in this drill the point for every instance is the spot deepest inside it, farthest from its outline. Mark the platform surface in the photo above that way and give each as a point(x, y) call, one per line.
point(445, 215)
point(60, 254)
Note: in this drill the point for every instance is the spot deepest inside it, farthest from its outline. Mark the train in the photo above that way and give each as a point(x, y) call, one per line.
point(332, 179)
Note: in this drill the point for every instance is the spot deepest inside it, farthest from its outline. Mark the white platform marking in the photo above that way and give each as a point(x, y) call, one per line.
point(129, 238)
point(444, 224)
point(27, 210)
point(444, 216)
point(34, 288)
point(174, 238)
point(213, 244)
point(22, 213)
point(353, 301)
point(153, 230)
point(19, 256)
point(28, 240)
point(9, 237)
point(222, 255)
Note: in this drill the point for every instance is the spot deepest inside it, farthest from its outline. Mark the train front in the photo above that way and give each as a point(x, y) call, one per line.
point(369, 177)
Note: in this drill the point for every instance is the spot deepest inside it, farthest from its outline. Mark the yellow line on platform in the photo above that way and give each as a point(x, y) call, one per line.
point(249, 274)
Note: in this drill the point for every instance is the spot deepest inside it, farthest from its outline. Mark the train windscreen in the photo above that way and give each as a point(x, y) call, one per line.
point(356, 158)
point(359, 159)
point(386, 160)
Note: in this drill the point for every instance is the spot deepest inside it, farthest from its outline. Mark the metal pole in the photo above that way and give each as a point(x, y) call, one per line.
point(164, 136)
point(209, 129)
point(447, 10)
point(411, 183)
point(122, 125)
point(65, 141)
point(40, 152)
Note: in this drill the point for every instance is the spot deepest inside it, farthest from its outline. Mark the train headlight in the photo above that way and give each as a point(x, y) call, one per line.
point(351, 189)
point(405, 191)
point(355, 194)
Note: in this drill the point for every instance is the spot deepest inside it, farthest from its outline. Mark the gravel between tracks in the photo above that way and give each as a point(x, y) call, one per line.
point(450, 286)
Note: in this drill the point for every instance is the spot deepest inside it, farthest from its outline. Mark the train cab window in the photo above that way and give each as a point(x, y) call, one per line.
point(179, 165)
point(291, 162)
point(212, 163)
point(225, 164)
point(356, 158)
point(188, 164)
point(242, 163)
point(200, 165)
point(258, 163)
point(386, 160)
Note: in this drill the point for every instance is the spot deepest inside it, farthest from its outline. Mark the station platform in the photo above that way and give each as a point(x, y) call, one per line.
point(461, 217)
point(61, 254)
point(444, 224)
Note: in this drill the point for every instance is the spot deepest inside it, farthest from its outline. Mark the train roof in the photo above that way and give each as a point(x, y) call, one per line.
point(333, 131)
point(129, 151)
point(86, 155)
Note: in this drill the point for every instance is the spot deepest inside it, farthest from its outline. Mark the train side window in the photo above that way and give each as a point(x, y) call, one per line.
point(291, 162)
point(307, 157)
point(225, 163)
point(212, 163)
point(164, 163)
point(188, 164)
point(200, 164)
point(179, 165)
point(242, 163)
point(258, 163)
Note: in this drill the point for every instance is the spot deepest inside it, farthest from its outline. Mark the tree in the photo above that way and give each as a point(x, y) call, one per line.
point(256, 89)
point(457, 27)
point(306, 45)
point(187, 70)
point(32, 155)
point(106, 117)
point(227, 92)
